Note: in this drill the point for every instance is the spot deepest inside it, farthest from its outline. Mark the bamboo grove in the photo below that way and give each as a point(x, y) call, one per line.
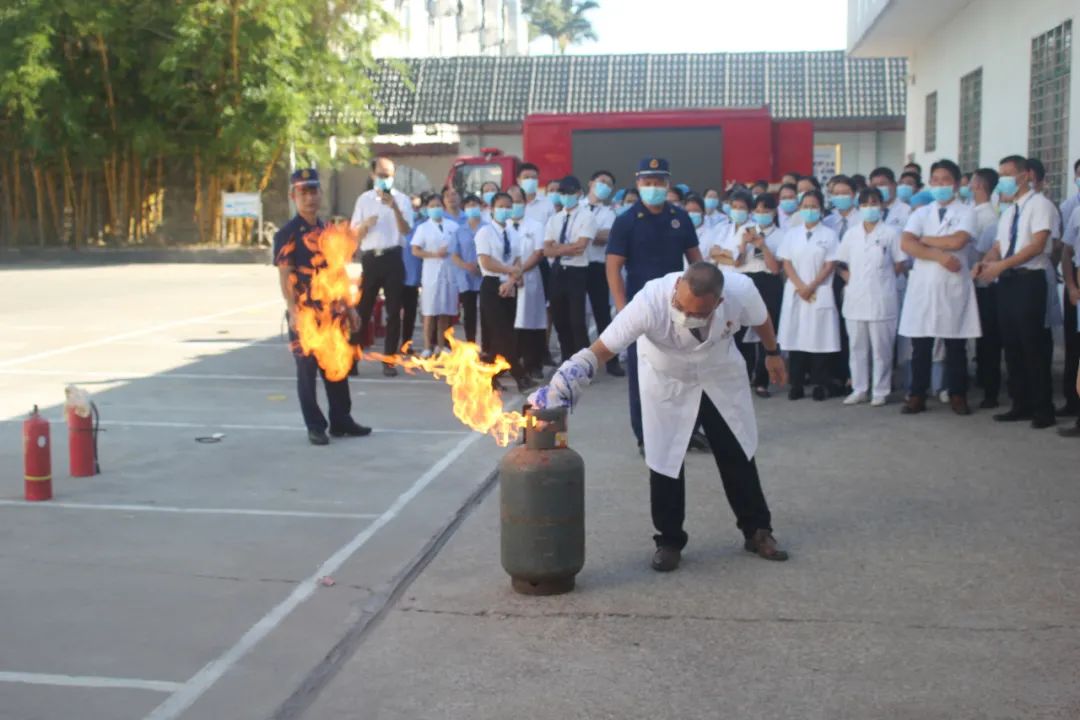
point(108, 106)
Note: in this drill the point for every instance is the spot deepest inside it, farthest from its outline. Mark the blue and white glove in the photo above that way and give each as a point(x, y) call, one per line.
point(566, 384)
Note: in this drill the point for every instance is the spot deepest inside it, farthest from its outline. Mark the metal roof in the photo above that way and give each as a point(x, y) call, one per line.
point(481, 90)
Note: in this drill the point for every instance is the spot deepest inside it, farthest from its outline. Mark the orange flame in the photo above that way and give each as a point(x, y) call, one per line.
point(323, 326)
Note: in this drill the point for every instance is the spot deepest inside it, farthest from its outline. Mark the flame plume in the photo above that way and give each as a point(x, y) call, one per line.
point(324, 325)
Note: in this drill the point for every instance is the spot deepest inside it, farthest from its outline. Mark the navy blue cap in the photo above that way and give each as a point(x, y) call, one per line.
point(305, 177)
point(570, 185)
point(653, 166)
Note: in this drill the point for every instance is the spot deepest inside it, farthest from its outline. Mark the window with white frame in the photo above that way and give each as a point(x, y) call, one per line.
point(1048, 114)
point(970, 120)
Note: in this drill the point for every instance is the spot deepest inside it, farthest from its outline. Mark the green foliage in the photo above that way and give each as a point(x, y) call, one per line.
point(563, 21)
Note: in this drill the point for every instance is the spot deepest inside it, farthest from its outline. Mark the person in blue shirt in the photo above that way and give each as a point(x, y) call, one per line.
point(410, 296)
point(463, 252)
point(293, 258)
point(648, 241)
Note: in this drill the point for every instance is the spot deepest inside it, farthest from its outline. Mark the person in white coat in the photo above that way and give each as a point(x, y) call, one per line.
point(809, 321)
point(845, 215)
point(690, 372)
point(439, 299)
point(530, 320)
point(940, 299)
point(872, 259)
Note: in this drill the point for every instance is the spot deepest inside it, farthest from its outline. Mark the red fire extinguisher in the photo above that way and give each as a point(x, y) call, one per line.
point(37, 462)
point(82, 442)
point(378, 321)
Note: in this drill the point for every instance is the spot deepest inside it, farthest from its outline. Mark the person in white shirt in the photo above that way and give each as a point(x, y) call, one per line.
point(1018, 262)
point(539, 209)
point(754, 250)
point(871, 254)
point(1053, 302)
point(1070, 257)
point(907, 186)
point(1072, 202)
point(964, 193)
point(498, 251)
point(566, 239)
point(553, 197)
point(382, 218)
point(988, 346)
point(531, 318)
point(809, 322)
point(845, 215)
point(894, 212)
point(787, 207)
point(439, 298)
point(940, 300)
point(722, 248)
point(601, 186)
point(711, 205)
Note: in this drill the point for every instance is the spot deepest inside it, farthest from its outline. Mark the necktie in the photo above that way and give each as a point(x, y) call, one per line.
point(696, 332)
point(557, 265)
point(884, 213)
point(809, 235)
point(506, 246)
point(941, 214)
point(843, 227)
point(1013, 227)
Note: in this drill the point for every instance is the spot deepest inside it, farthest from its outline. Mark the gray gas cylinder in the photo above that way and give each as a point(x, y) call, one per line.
point(542, 504)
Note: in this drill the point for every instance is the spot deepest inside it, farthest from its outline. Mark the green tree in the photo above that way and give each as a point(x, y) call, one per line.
point(563, 21)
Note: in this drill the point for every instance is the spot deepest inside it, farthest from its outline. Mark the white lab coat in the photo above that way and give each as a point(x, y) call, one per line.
point(809, 326)
point(939, 303)
point(870, 293)
point(531, 303)
point(674, 368)
point(438, 295)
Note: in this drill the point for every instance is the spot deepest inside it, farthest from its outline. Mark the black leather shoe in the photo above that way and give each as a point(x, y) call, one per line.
point(1041, 423)
point(614, 369)
point(1068, 410)
point(641, 448)
point(353, 429)
point(820, 393)
point(317, 437)
point(989, 403)
point(1014, 415)
point(666, 559)
point(796, 393)
point(1070, 432)
point(389, 371)
point(537, 374)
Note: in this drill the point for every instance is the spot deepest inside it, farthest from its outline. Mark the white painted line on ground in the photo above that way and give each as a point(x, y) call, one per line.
point(134, 334)
point(89, 681)
point(188, 510)
point(213, 671)
point(128, 375)
point(233, 426)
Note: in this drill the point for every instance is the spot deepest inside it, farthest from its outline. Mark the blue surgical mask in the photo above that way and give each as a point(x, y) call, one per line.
point(739, 216)
point(870, 213)
point(727, 208)
point(789, 205)
point(712, 203)
point(436, 213)
point(529, 185)
point(555, 198)
point(843, 202)
point(517, 211)
point(488, 197)
point(885, 194)
point(570, 201)
point(474, 213)
point(601, 190)
point(810, 215)
point(652, 195)
point(384, 184)
point(965, 192)
point(942, 193)
point(501, 214)
point(764, 219)
point(1007, 185)
point(621, 209)
point(905, 192)
point(1077, 181)
point(696, 218)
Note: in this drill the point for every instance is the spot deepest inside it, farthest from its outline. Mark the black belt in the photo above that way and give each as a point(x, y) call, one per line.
point(1017, 272)
point(380, 252)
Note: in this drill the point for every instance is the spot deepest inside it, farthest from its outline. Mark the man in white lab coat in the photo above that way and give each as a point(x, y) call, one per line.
point(690, 372)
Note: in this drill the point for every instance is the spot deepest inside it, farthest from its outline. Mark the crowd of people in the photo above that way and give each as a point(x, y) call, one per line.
point(875, 284)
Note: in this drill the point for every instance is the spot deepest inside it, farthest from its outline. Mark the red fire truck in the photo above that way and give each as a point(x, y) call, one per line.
point(706, 148)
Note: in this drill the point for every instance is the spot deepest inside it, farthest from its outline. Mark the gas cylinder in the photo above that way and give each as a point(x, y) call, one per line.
point(37, 461)
point(82, 451)
point(542, 507)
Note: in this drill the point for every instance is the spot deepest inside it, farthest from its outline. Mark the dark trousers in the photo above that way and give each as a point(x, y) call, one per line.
point(956, 373)
point(530, 345)
point(600, 299)
point(1022, 317)
point(410, 295)
point(840, 363)
point(634, 393)
point(817, 365)
point(1072, 352)
point(384, 272)
point(988, 347)
point(738, 474)
point(337, 393)
point(567, 301)
point(497, 318)
point(468, 313)
point(771, 289)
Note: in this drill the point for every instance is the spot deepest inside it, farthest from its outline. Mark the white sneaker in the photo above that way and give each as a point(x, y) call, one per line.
point(425, 354)
point(855, 398)
point(943, 396)
point(878, 402)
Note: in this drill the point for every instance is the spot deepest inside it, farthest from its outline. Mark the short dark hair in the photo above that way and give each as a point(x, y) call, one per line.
point(815, 193)
point(677, 191)
point(630, 190)
point(1018, 161)
point(742, 196)
point(472, 198)
point(428, 197)
point(703, 278)
point(711, 189)
point(1076, 166)
point(501, 196)
point(375, 160)
point(843, 180)
point(812, 179)
point(527, 166)
point(1037, 168)
point(792, 174)
point(600, 173)
point(884, 172)
point(917, 166)
point(987, 176)
point(948, 166)
point(694, 199)
point(788, 186)
point(760, 183)
point(870, 192)
point(914, 176)
point(767, 199)
point(966, 176)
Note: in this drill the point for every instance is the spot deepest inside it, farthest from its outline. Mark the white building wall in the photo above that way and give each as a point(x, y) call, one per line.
point(995, 35)
point(862, 151)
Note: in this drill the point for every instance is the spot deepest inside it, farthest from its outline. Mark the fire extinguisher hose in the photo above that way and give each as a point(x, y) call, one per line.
point(97, 427)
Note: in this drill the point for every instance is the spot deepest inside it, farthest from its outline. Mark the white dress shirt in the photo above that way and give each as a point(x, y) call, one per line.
point(489, 241)
point(1034, 213)
point(604, 218)
point(385, 234)
point(581, 225)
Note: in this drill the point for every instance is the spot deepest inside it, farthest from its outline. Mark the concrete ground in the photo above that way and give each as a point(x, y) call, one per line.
point(932, 574)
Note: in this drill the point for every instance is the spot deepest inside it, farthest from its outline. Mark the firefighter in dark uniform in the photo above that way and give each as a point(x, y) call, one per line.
point(648, 241)
point(293, 259)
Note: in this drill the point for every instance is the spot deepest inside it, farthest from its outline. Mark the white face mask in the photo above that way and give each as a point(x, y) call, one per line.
point(687, 321)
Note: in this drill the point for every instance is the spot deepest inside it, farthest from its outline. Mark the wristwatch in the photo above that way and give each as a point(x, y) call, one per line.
point(773, 353)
